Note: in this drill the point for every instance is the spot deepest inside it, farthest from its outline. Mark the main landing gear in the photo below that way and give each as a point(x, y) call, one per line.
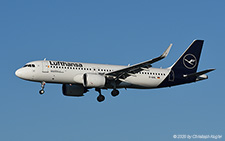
point(42, 88)
point(101, 97)
point(115, 92)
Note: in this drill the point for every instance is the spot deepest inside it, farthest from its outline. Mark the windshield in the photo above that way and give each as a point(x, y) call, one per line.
point(29, 65)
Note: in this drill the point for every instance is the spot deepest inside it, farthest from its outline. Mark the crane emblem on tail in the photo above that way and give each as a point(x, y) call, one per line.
point(189, 61)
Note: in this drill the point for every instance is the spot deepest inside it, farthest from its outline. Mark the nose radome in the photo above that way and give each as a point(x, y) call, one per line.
point(18, 73)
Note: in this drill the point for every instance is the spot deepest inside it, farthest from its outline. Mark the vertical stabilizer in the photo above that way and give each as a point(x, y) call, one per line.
point(188, 61)
point(185, 66)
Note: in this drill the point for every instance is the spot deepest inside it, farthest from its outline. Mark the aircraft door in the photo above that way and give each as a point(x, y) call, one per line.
point(171, 76)
point(45, 67)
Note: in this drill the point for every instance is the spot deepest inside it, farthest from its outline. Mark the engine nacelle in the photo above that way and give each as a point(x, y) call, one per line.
point(73, 90)
point(94, 80)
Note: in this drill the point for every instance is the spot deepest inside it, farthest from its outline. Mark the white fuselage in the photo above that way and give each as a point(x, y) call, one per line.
point(72, 73)
point(77, 78)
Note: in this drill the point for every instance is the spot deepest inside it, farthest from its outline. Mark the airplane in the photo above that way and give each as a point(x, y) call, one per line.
point(77, 78)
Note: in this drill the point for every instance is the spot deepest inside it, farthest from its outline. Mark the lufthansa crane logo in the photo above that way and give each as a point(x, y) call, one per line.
point(190, 61)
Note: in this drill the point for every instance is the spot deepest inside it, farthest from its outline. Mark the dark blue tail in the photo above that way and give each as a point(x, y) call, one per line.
point(188, 61)
point(186, 64)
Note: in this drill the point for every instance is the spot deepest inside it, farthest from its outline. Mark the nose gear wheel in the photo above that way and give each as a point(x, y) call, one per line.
point(42, 88)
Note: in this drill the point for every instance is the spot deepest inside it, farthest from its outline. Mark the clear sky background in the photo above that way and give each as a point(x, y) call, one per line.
point(110, 32)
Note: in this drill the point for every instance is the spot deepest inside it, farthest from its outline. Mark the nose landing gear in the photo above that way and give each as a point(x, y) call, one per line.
point(41, 92)
point(42, 88)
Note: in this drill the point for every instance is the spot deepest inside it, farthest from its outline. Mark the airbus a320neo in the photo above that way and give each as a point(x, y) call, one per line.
point(77, 78)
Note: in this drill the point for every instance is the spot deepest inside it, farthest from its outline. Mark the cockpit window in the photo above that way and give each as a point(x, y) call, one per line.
point(29, 65)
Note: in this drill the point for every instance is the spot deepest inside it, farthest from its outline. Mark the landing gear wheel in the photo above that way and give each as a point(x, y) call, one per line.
point(41, 92)
point(42, 88)
point(115, 92)
point(101, 98)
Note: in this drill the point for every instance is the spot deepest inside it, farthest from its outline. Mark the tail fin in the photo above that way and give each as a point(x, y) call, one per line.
point(188, 61)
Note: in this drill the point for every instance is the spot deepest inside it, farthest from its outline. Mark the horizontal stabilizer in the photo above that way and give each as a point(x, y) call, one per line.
point(199, 73)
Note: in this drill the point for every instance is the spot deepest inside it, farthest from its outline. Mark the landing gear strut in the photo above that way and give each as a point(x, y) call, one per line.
point(115, 92)
point(101, 97)
point(42, 88)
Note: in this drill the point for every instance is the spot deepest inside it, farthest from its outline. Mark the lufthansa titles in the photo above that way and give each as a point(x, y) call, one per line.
point(63, 64)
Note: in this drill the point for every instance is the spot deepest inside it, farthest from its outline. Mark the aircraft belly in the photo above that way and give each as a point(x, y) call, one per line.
point(144, 81)
point(63, 78)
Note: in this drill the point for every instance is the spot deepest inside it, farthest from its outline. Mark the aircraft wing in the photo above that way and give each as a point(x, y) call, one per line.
point(131, 70)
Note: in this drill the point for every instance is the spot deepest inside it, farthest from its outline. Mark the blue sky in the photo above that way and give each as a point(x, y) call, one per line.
point(110, 32)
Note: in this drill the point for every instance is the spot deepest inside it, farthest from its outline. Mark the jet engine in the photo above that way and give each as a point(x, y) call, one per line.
point(73, 90)
point(94, 80)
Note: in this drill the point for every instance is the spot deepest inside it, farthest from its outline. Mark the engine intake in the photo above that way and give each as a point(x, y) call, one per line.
point(73, 90)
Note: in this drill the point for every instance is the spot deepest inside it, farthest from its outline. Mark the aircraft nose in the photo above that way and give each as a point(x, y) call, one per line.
point(18, 73)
